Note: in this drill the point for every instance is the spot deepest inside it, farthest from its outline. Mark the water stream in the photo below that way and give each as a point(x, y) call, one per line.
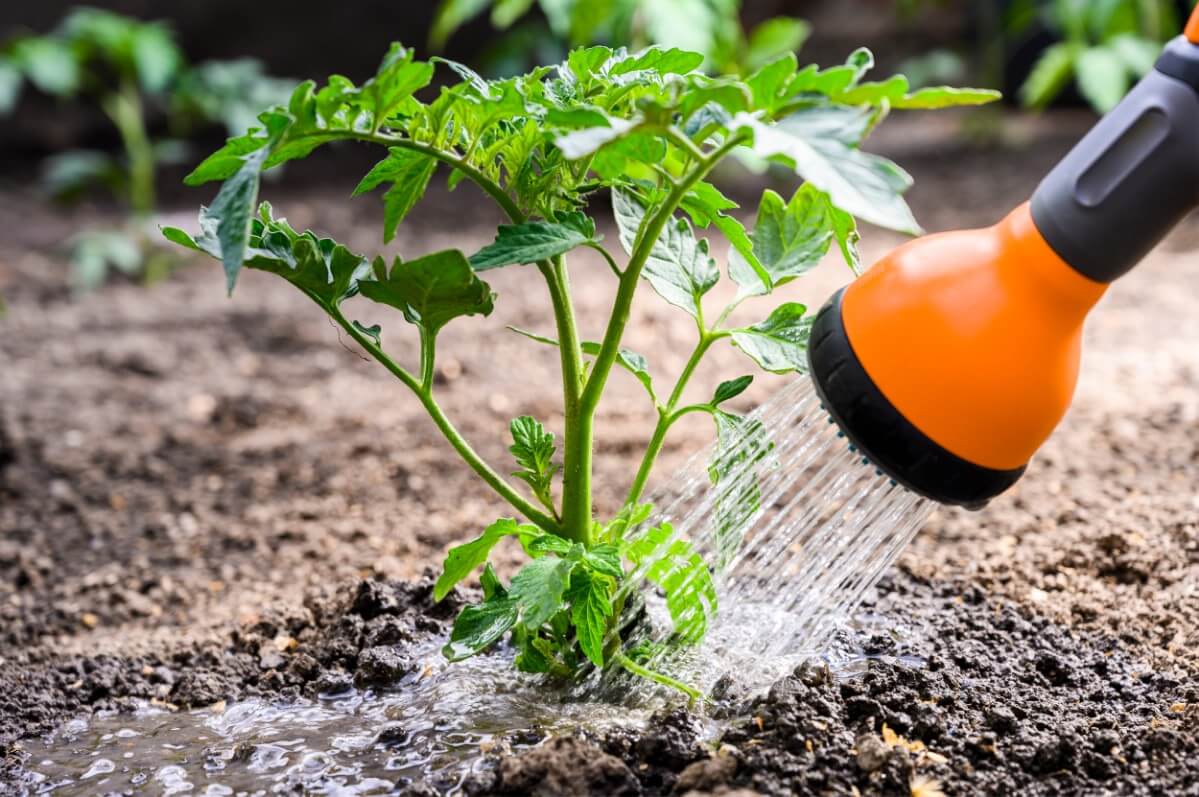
point(814, 527)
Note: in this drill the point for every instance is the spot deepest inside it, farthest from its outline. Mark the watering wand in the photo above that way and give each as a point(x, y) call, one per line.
point(951, 361)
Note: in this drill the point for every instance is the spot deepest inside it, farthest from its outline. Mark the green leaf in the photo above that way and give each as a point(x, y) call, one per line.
point(323, 269)
point(479, 627)
point(937, 97)
point(49, 63)
point(730, 389)
point(1138, 54)
point(538, 590)
point(95, 252)
point(155, 57)
point(533, 448)
point(538, 545)
point(868, 186)
point(679, 267)
point(10, 85)
point(704, 204)
point(769, 84)
point(845, 233)
point(451, 15)
point(789, 239)
point(232, 210)
point(409, 173)
point(673, 564)
point(775, 37)
point(532, 241)
point(432, 290)
point(1049, 75)
point(492, 587)
point(374, 331)
point(1102, 77)
point(506, 12)
point(780, 343)
point(583, 143)
point(590, 608)
point(399, 76)
point(461, 560)
point(604, 559)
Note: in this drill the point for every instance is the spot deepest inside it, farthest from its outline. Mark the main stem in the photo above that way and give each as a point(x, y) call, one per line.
point(577, 456)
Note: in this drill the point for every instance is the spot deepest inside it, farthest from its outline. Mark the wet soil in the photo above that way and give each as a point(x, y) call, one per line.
point(189, 485)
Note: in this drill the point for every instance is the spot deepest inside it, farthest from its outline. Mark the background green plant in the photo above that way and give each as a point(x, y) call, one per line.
point(710, 27)
point(131, 70)
point(647, 128)
point(1105, 46)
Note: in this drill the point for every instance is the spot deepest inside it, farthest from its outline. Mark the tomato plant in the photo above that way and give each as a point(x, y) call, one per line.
point(649, 129)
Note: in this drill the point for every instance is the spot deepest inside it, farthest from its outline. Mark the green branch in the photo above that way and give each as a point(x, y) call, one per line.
point(619, 318)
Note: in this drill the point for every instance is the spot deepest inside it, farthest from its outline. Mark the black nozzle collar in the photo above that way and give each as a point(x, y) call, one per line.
point(881, 432)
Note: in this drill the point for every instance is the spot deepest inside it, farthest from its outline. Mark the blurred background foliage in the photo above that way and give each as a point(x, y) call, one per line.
point(113, 96)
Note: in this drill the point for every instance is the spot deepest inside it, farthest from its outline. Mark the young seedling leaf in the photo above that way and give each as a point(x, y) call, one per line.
point(533, 241)
point(730, 389)
point(461, 560)
point(479, 627)
point(780, 343)
point(533, 448)
point(590, 608)
point(431, 291)
point(538, 589)
point(679, 267)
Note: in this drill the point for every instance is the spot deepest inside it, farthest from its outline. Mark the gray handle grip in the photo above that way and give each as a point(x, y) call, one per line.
point(1132, 178)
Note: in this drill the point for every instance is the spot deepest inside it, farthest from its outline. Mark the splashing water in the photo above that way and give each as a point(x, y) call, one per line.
point(822, 526)
point(796, 530)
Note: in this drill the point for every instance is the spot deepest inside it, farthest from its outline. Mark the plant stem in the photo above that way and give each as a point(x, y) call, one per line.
point(691, 692)
point(125, 110)
point(619, 318)
point(447, 428)
point(666, 418)
point(576, 455)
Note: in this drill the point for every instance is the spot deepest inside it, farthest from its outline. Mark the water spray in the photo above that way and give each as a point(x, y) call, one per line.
point(951, 361)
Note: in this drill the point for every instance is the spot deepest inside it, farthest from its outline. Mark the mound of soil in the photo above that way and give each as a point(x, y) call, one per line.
point(1004, 703)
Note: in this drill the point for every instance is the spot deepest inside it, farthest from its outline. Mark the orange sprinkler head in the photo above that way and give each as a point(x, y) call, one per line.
point(951, 361)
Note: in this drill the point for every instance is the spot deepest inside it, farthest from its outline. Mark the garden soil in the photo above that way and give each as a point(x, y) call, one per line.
point(205, 499)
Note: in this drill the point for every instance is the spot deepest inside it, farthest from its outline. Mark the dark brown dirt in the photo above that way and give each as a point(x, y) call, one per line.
point(185, 479)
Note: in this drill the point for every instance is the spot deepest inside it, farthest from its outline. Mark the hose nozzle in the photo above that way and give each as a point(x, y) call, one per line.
point(950, 362)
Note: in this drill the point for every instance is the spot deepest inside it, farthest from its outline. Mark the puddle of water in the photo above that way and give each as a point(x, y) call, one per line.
point(435, 727)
